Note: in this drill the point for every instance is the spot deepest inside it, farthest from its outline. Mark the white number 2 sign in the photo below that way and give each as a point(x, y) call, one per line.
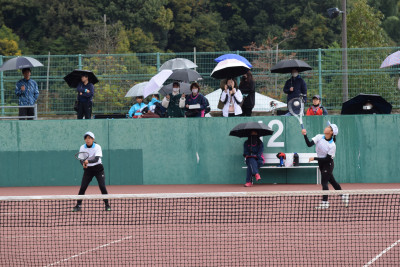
point(271, 142)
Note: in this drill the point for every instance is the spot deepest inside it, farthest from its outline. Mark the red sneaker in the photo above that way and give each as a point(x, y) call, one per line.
point(258, 177)
point(249, 184)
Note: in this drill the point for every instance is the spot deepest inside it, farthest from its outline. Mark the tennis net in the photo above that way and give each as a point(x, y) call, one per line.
point(203, 229)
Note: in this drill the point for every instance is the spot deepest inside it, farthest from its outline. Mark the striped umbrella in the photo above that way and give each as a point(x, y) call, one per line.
point(391, 60)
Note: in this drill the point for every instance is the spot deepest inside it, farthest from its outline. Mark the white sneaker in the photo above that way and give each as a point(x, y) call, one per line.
point(323, 205)
point(345, 199)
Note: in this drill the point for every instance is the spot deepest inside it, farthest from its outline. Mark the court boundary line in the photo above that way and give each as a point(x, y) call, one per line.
point(89, 251)
point(381, 254)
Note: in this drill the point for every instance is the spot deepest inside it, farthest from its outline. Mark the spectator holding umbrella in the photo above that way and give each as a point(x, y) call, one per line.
point(171, 102)
point(248, 88)
point(232, 99)
point(27, 91)
point(85, 91)
point(253, 154)
point(294, 87)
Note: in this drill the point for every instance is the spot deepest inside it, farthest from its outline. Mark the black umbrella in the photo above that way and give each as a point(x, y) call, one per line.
point(185, 75)
point(74, 78)
point(245, 129)
point(367, 104)
point(287, 65)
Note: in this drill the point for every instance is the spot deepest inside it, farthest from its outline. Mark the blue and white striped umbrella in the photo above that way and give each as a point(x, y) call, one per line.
point(20, 63)
point(391, 60)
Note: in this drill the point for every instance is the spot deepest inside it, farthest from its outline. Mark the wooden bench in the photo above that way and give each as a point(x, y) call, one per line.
point(272, 162)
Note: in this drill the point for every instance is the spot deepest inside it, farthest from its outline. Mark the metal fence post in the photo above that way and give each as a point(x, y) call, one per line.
point(35, 112)
point(80, 61)
point(2, 86)
point(320, 71)
point(158, 61)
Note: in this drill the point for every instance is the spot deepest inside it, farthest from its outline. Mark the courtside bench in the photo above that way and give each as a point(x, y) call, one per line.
point(272, 162)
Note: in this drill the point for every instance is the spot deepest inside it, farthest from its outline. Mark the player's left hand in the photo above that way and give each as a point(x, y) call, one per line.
point(310, 159)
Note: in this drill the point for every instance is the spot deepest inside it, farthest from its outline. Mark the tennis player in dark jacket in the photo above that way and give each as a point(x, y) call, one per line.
point(326, 149)
point(92, 167)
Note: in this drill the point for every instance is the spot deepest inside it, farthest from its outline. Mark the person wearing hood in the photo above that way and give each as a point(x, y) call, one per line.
point(316, 109)
point(195, 103)
point(137, 109)
point(253, 154)
point(325, 146)
point(294, 87)
point(171, 102)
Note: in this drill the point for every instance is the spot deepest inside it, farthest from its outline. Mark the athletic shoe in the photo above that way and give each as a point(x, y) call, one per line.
point(345, 199)
point(323, 205)
point(249, 184)
point(77, 208)
point(258, 177)
point(108, 208)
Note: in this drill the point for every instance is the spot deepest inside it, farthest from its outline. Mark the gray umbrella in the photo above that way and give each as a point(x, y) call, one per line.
point(178, 63)
point(185, 75)
point(20, 63)
point(184, 88)
point(287, 65)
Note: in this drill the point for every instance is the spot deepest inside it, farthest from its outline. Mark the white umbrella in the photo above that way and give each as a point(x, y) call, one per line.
point(20, 63)
point(391, 60)
point(229, 68)
point(156, 82)
point(136, 90)
point(178, 63)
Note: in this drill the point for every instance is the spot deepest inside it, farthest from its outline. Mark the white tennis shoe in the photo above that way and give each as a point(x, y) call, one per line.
point(345, 200)
point(323, 205)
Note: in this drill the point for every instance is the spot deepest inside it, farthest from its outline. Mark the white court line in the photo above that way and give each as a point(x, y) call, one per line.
point(90, 250)
point(383, 252)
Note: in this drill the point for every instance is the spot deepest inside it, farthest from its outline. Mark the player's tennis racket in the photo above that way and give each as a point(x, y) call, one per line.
point(296, 108)
point(82, 156)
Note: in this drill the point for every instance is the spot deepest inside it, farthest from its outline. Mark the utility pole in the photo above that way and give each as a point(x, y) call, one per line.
point(345, 83)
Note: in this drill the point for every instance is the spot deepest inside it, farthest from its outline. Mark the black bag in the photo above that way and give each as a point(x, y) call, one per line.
point(76, 105)
point(208, 108)
point(160, 110)
point(192, 113)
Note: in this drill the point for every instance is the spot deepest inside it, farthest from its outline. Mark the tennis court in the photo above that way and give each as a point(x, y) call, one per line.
point(213, 225)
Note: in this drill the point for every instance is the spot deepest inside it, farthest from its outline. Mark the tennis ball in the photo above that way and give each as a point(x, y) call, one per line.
point(296, 103)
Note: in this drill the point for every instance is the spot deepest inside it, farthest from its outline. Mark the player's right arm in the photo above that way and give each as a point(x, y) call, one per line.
point(308, 142)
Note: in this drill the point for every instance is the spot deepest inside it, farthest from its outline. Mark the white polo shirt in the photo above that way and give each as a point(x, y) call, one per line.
point(94, 151)
point(323, 147)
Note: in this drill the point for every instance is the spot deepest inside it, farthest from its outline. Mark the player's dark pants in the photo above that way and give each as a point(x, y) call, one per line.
point(88, 174)
point(327, 177)
point(252, 168)
point(84, 109)
point(26, 112)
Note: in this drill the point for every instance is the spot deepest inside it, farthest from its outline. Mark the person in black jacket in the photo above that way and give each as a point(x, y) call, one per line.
point(248, 88)
point(85, 91)
point(294, 87)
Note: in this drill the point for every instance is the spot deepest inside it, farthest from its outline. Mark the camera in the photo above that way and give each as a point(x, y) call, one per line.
point(230, 88)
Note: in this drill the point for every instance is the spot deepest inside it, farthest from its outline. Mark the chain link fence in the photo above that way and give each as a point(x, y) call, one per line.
point(118, 73)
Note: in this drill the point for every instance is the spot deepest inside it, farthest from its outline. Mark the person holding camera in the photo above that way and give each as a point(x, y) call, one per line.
point(248, 88)
point(171, 102)
point(232, 99)
point(195, 103)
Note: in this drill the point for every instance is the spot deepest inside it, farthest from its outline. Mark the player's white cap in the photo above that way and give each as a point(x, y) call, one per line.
point(90, 134)
point(334, 127)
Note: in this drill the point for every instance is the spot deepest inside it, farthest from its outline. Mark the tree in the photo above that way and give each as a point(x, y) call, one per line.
point(8, 42)
point(364, 26)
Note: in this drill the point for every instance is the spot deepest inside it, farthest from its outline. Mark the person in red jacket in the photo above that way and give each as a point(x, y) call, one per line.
point(316, 108)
